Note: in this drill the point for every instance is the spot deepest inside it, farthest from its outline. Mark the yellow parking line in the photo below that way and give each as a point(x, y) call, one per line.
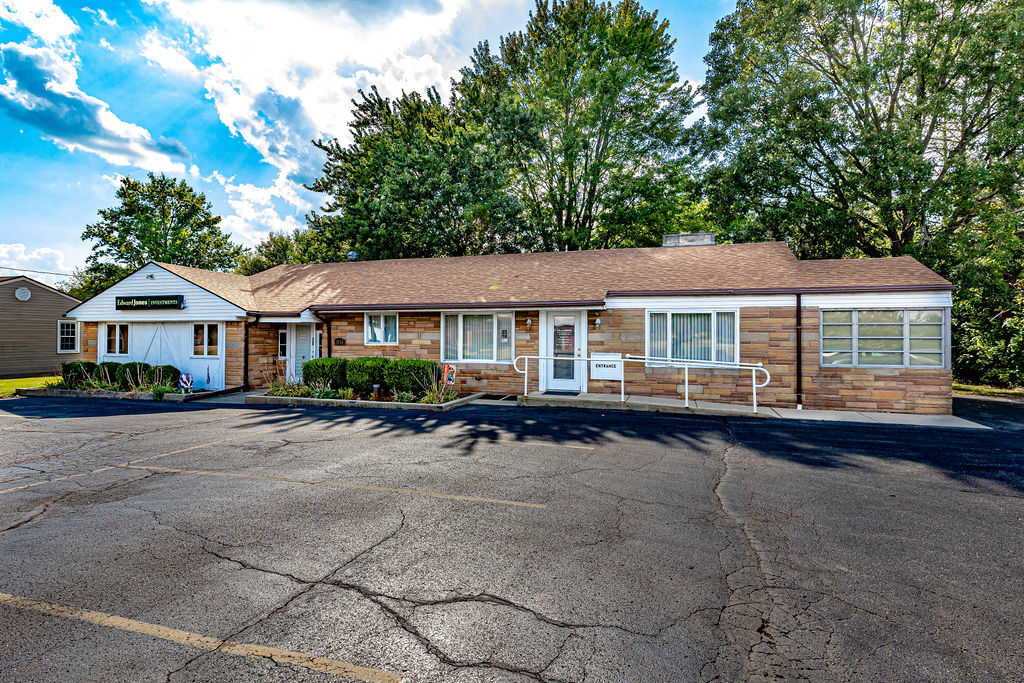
point(231, 647)
point(337, 484)
point(132, 462)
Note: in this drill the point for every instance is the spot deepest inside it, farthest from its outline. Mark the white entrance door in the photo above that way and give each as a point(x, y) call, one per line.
point(565, 334)
point(302, 348)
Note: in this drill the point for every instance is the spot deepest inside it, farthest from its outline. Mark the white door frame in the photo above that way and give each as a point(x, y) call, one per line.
point(579, 383)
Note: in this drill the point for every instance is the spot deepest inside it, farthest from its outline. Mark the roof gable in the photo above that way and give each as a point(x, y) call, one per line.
point(153, 279)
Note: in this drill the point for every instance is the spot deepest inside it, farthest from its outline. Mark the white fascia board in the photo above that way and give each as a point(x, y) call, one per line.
point(200, 304)
point(936, 299)
point(702, 302)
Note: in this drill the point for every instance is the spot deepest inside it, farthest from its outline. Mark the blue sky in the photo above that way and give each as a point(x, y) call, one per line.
point(225, 93)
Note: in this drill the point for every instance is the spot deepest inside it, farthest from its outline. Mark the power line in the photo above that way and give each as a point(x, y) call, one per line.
point(29, 270)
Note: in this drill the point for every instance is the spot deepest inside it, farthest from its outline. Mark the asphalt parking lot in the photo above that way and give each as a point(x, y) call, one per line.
point(168, 542)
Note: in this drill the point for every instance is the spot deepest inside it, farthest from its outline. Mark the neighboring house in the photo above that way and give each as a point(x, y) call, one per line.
point(873, 334)
point(31, 313)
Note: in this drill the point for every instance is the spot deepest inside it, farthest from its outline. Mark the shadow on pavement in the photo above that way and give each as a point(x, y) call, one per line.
point(968, 456)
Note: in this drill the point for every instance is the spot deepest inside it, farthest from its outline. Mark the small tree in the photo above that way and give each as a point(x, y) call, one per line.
point(163, 219)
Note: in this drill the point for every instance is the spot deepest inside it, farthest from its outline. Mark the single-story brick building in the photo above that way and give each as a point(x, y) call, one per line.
point(859, 334)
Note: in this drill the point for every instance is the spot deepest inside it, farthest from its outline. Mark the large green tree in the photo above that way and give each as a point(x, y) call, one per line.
point(418, 180)
point(587, 106)
point(878, 128)
point(865, 126)
point(161, 219)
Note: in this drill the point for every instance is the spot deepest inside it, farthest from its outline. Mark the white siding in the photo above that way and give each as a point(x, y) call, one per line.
point(170, 344)
point(199, 303)
point(692, 303)
point(881, 300)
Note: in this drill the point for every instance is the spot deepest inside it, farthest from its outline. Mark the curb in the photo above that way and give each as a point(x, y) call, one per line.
point(345, 403)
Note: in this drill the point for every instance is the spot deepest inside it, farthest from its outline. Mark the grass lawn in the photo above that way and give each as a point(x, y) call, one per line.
point(7, 386)
point(982, 390)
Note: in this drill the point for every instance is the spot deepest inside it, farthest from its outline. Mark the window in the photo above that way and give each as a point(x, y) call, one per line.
point(481, 337)
point(282, 344)
point(67, 336)
point(117, 339)
point(901, 338)
point(204, 339)
point(698, 336)
point(380, 328)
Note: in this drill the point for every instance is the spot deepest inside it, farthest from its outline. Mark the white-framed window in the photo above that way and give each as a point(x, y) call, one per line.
point(282, 344)
point(478, 337)
point(693, 335)
point(67, 336)
point(914, 338)
point(380, 329)
point(205, 340)
point(117, 339)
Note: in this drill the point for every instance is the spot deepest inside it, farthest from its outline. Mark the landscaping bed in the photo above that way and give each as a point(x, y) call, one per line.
point(359, 403)
point(102, 393)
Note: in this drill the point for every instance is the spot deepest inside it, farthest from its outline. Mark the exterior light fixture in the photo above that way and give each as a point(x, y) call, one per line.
point(597, 323)
point(529, 323)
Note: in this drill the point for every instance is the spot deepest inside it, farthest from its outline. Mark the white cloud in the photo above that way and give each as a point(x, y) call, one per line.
point(105, 44)
point(157, 50)
point(42, 18)
point(18, 256)
point(282, 73)
point(41, 89)
point(100, 16)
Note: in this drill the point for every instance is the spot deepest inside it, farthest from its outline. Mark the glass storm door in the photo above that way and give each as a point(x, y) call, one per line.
point(564, 375)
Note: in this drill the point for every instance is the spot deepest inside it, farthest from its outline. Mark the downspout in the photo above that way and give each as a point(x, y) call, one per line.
point(799, 353)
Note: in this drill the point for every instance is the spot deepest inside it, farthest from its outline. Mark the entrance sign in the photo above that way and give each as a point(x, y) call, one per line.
point(143, 303)
point(606, 366)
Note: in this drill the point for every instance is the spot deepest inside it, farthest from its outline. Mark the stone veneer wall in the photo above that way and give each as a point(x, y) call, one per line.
point(234, 360)
point(263, 362)
point(767, 335)
point(895, 390)
point(419, 336)
point(90, 349)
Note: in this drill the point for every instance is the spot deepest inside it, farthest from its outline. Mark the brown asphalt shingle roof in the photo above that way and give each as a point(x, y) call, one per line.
point(556, 278)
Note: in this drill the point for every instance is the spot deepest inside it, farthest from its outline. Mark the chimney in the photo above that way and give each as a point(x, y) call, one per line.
point(688, 239)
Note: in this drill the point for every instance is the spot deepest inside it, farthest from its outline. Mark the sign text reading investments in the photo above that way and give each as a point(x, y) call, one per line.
point(141, 303)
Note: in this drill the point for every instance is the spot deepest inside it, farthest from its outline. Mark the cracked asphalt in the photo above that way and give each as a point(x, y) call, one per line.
point(505, 544)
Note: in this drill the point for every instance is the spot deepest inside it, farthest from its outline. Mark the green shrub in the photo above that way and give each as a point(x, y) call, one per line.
point(76, 372)
point(410, 375)
point(131, 375)
point(166, 375)
point(106, 372)
point(346, 394)
point(363, 373)
point(289, 389)
point(324, 370)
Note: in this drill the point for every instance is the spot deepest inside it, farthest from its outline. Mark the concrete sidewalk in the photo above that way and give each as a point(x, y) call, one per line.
point(657, 404)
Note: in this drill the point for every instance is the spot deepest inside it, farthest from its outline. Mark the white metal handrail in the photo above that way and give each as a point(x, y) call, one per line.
point(649, 360)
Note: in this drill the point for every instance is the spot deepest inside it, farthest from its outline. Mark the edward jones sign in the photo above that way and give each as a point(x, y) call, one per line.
point(143, 303)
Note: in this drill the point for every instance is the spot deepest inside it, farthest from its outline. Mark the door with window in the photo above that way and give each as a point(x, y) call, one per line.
point(302, 349)
point(565, 342)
